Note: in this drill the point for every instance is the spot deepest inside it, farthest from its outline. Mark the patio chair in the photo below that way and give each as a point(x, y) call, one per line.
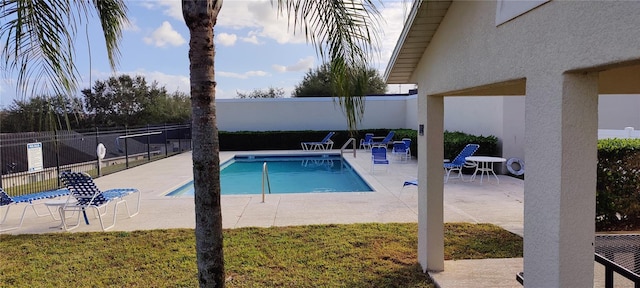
point(325, 144)
point(400, 150)
point(410, 183)
point(29, 200)
point(384, 141)
point(87, 195)
point(379, 157)
point(367, 141)
point(460, 162)
point(407, 141)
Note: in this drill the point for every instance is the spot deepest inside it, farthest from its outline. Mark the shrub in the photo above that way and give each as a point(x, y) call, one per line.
point(618, 183)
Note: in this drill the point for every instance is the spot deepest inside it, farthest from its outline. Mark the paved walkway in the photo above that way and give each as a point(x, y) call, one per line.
point(500, 204)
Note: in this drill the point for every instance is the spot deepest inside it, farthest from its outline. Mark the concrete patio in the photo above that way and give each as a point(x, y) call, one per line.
point(489, 202)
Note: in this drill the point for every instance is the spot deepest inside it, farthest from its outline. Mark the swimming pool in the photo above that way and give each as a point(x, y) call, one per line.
point(287, 174)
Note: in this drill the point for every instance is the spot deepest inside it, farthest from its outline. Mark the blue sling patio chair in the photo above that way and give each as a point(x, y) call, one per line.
point(410, 183)
point(28, 199)
point(367, 141)
point(460, 162)
point(87, 195)
point(407, 141)
point(379, 157)
point(400, 150)
point(387, 139)
point(325, 144)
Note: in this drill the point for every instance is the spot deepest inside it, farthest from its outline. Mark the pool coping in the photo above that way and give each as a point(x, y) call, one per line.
point(280, 154)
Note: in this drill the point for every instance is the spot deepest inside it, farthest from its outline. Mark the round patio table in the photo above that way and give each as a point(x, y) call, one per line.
point(484, 164)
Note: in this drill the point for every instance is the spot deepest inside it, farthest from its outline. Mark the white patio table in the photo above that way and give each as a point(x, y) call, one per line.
point(484, 164)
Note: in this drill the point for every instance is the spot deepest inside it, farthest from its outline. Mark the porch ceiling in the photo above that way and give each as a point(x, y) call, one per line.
point(421, 25)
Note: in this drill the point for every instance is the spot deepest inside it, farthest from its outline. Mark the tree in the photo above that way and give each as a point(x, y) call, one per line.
point(340, 31)
point(318, 83)
point(124, 100)
point(258, 93)
point(40, 113)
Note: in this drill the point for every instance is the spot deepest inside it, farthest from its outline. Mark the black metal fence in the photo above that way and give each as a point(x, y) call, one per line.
point(31, 161)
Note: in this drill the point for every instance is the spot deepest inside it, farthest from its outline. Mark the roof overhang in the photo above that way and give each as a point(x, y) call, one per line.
point(419, 28)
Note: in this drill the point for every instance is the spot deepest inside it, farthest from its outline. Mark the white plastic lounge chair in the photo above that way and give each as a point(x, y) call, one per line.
point(325, 144)
point(460, 162)
point(29, 200)
point(87, 195)
point(384, 141)
point(379, 157)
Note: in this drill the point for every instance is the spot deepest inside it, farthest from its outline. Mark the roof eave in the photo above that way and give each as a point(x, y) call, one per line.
point(421, 25)
point(401, 40)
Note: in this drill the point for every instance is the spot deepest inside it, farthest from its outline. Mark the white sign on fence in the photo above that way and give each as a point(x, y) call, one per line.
point(34, 157)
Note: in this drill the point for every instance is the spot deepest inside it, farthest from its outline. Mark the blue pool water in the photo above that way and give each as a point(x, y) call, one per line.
point(287, 174)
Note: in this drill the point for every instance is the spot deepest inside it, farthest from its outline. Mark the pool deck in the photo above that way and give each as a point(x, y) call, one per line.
point(489, 202)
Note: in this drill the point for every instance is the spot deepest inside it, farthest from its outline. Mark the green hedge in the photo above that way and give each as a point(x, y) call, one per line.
point(454, 142)
point(618, 184)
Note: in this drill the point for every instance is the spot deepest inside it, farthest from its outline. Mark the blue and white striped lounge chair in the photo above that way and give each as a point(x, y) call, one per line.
point(29, 199)
point(460, 162)
point(325, 144)
point(87, 195)
point(379, 157)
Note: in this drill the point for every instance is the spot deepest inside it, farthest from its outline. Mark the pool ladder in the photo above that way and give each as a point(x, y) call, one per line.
point(351, 140)
point(265, 176)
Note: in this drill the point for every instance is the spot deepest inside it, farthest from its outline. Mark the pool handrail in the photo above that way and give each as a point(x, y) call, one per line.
point(351, 140)
point(265, 174)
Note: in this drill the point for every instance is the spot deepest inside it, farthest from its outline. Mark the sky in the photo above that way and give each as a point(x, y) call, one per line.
point(255, 48)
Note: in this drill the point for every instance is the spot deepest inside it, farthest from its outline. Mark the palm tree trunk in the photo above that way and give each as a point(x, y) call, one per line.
point(200, 16)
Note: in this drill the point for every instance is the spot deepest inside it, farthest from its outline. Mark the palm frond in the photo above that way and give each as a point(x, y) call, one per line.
point(40, 40)
point(345, 32)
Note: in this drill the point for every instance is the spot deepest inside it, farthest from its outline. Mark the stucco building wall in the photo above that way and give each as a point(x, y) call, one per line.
point(560, 56)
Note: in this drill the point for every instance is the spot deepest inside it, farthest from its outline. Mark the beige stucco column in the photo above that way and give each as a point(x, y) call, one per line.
point(561, 114)
point(430, 177)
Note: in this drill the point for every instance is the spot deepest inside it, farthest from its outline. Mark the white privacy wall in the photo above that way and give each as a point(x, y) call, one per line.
point(314, 113)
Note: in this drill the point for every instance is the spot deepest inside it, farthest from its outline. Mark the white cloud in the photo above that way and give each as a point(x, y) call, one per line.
point(303, 64)
point(172, 83)
point(261, 18)
point(244, 75)
point(165, 35)
point(226, 39)
point(252, 39)
point(171, 8)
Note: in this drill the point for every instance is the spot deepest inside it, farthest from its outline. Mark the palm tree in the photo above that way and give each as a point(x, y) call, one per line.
point(39, 42)
point(341, 30)
point(40, 35)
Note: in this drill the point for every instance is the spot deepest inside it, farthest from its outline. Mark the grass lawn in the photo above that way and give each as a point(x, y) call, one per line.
point(356, 255)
